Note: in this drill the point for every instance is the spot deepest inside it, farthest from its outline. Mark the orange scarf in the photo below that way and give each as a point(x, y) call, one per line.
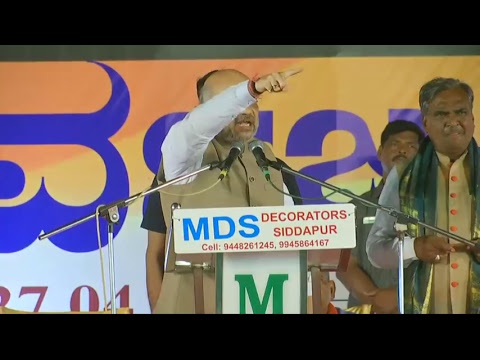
point(332, 309)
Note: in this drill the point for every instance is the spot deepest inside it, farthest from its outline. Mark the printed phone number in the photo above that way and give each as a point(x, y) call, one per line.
point(90, 297)
point(271, 245)
point(302, 244)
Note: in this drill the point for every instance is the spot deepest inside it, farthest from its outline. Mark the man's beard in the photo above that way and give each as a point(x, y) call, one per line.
point(229, 134)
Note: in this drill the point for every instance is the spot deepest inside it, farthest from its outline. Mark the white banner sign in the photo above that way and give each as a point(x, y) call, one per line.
point(255, 229)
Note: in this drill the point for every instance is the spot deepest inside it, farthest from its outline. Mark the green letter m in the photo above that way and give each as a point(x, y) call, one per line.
point(274, 287)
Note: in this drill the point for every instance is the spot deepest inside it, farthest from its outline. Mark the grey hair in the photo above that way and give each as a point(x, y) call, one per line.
point(431, 89)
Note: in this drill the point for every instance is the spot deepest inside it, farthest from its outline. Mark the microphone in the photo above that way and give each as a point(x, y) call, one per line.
point(236, 150)
point(256, 148)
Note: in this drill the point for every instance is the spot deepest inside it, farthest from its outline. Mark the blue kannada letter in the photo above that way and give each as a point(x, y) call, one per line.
point(22, 224)
point(306, 139)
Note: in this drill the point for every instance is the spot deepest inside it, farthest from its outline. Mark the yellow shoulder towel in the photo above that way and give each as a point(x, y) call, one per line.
point(362, 309)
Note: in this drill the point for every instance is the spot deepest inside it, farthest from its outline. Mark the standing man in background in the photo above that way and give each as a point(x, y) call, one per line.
point(439, 187)
point(154, 223)
point(367, 284)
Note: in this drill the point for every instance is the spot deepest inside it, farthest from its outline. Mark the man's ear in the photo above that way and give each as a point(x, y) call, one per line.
point(424, 122)
point(379, 151)
point(333, 289)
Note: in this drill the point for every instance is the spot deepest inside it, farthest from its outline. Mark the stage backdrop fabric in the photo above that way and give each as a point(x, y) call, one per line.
point(74, 135)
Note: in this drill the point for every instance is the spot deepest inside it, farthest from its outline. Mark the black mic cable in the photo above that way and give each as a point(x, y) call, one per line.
point(256, 148)
point(278, 166)
point(236, 150)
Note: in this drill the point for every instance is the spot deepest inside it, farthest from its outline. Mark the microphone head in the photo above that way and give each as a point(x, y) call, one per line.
point(239, 145)
point(255, 144)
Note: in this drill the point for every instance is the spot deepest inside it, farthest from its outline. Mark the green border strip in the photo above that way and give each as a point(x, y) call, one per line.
point(303, 281)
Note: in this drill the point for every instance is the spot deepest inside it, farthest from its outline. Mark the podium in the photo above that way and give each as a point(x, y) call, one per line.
point(263, 254)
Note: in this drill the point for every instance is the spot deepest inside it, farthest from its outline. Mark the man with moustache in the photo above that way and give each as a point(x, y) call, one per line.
point(228, 112)
point(439, 187)
point(154, 222)
point(368, 285)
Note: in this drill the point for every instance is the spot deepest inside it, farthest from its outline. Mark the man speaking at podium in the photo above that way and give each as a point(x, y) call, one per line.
point(228, 112)
point(440, 187)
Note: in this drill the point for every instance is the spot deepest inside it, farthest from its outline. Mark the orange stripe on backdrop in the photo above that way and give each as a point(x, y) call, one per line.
point(156, 88)
point(367, 87)
point(159, 88)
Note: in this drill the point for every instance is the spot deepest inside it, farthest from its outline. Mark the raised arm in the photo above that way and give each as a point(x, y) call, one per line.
point(187, 140)
point(382, 242)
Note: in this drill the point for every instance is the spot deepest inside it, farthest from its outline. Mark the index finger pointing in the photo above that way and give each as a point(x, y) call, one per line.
point(291, 72)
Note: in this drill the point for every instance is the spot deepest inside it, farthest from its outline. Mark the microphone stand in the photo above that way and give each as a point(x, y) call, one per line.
point(111, 215)
point(402, 220)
